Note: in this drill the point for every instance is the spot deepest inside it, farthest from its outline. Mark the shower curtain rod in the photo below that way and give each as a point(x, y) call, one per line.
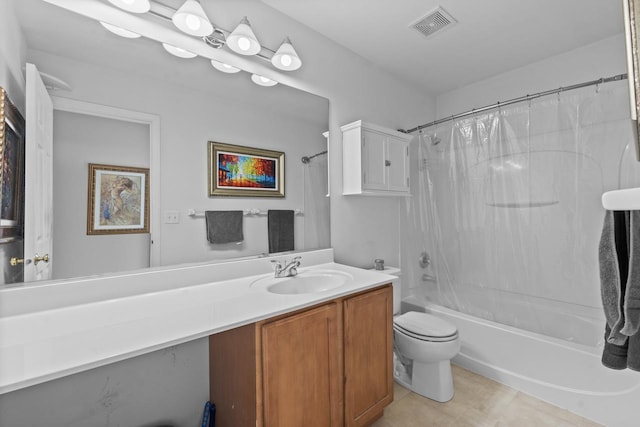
point(307, 159)
point(520, 99)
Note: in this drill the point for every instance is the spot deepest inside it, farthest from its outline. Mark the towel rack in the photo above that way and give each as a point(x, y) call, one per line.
point(622, 200)
point(246, 212)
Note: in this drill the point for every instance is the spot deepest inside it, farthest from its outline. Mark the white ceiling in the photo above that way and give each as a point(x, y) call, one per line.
point(491, 36)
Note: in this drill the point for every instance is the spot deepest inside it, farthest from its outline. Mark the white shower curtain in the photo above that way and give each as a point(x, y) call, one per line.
point(316, 204)
point(507, 206)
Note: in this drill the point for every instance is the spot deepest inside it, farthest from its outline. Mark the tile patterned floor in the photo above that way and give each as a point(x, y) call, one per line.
point(478, 402)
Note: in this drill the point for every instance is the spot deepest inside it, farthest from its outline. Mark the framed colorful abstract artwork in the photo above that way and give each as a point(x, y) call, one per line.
point(118, 200)
point(245, 172)
point(11, 169)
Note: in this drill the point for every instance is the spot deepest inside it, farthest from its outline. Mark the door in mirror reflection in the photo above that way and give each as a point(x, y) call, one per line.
point(38, 229)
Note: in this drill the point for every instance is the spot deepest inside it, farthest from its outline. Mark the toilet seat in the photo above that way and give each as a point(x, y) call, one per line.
point(425, 327)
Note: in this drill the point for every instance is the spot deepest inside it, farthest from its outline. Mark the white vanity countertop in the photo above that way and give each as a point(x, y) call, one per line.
point(37, 346)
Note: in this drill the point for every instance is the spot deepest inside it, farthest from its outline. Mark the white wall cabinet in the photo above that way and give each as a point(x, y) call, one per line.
point(375, 160)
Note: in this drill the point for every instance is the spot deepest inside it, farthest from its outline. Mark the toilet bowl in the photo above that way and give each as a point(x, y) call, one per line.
point(424, 345)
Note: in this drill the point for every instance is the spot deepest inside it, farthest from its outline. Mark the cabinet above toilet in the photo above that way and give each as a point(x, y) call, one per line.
point(375, 160)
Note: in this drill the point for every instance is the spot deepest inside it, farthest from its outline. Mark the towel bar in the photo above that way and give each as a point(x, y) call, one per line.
point(246, 212)
point(622, 200)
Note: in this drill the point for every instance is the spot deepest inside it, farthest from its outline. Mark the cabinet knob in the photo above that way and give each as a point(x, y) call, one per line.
point(37, 258)
point(387, 162)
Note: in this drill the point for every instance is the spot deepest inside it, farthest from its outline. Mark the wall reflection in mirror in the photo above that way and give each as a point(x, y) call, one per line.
point(193, 103)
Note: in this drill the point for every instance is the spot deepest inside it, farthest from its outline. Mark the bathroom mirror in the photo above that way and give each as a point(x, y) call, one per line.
point(631, 20)
point(195, 104)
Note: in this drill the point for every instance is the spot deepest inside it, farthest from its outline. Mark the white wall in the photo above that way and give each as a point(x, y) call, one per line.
point(601, 59)
point(81, 139)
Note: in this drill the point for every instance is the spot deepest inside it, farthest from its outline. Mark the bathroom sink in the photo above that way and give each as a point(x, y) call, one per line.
point(306, 282)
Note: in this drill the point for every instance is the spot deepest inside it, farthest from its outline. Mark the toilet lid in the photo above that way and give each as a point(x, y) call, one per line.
point(425, 326)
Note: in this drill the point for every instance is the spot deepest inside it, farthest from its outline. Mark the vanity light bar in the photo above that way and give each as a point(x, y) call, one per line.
point(166, 13)
point(286, 58)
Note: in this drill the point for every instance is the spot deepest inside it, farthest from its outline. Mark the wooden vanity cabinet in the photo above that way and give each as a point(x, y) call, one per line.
point(328, 365)
point(301, 369)
point(368, 356)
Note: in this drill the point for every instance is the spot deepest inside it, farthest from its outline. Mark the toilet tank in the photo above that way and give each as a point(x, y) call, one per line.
point(397, 286)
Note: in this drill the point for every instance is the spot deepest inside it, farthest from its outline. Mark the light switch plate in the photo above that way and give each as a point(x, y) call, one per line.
point(171, 217)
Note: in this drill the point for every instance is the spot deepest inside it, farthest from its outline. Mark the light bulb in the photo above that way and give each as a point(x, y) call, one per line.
point(193, 22)
point(120, 31)
point(263, 81)
point(244, 43)
point(178, 51)
point(191, 18)
point(135, 6)
point(242, 40)
point(286, 60)
point(225, 68)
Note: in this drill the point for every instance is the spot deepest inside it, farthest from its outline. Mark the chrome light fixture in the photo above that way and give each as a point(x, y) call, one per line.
point(286, 58)
point(242, 40)
point(178, 51)
point(191, 19)
point(262, 81)
point(225, 68)
point(120, 31)
point(135, 6)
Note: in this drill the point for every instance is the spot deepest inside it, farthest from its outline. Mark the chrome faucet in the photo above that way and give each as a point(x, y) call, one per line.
point(290, 269)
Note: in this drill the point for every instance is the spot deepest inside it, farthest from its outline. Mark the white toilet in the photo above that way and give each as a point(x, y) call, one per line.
point(423, 347)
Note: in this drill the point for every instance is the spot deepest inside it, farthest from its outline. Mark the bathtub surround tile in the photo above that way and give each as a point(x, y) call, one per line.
point(478, 402)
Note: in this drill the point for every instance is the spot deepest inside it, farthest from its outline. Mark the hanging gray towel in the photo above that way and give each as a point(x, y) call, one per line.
point(614, 263)
point(224, 226)
point(280, 225)
point(619, 256)
point(631, 307)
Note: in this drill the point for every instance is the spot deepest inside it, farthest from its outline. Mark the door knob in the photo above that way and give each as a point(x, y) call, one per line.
point(37, 258)
point(15, 261)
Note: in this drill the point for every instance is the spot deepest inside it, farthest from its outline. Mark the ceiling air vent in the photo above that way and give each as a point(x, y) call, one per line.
point(435, 21)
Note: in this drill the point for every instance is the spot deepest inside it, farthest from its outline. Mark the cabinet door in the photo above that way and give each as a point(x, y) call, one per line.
point(374, 155)
point(398, 165)
point(368, 353)
point(301, 370)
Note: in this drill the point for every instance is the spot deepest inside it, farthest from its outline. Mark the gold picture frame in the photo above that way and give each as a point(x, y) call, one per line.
point(118, 200)
point(240, 171)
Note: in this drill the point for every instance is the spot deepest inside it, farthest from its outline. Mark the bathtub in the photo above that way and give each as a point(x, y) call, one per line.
point(566, 374)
